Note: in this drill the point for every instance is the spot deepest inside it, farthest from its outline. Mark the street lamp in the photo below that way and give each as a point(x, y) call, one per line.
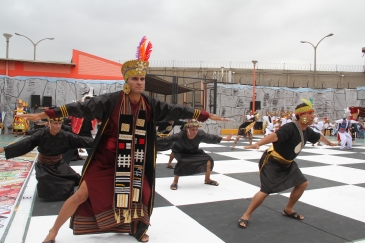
point(315, 57)
point(254, 87)
point(7, 36)
point(35, 44)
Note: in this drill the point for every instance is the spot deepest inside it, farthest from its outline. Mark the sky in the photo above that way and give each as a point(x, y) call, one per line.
point(268, 31)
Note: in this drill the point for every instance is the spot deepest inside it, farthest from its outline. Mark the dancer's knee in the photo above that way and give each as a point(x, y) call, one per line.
point(81, 194)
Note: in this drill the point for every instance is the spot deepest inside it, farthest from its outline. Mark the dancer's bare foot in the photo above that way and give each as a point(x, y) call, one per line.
point(145, 238)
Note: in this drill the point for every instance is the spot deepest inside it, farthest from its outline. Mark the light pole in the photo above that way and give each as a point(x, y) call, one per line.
point(315, 57)
point(7, 36)
point(35, 44)
point(254, 87)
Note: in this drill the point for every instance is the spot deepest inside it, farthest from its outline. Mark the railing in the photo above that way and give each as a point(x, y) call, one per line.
point(259, 65)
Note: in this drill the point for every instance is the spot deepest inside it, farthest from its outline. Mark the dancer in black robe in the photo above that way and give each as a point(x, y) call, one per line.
point(56, 179)
point(190, 158)
point(244, 130)
point(278, 170)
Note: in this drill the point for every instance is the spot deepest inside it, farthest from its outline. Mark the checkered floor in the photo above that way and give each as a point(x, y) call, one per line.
point(333, 204)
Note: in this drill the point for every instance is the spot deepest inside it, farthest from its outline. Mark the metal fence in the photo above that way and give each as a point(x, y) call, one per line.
point(259, 65)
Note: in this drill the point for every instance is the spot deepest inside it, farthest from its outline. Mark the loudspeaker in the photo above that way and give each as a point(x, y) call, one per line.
point(35, 101)
point(47, 101)
point(257, 105)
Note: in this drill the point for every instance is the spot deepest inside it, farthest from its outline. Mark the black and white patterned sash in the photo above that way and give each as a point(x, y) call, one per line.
point(130, 157)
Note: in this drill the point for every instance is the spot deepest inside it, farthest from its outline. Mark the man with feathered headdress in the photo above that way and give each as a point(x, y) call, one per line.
point(190, 159)
point(278, 170)
point(116, 192)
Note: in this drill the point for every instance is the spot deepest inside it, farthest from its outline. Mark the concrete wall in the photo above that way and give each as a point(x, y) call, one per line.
point(269, 77)
point(233, 100)
point(62, 90)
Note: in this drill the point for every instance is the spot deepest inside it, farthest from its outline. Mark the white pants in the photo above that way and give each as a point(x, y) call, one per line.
point(345, 138)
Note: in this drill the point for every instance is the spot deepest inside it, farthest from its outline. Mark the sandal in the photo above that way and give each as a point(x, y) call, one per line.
point(241, 220)
point(173, 186)
point(293, 215)
point(141, 240)
point(170, 166)
point(213, 183)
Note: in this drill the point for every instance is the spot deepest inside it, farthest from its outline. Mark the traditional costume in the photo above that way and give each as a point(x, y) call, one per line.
point(120, 171)
point(20, 125)
point(165, 127)
point(278, 170)
point(56, 179)
point(190, 158)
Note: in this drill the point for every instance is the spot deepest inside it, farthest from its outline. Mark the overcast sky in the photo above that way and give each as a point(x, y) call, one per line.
point(269, 31)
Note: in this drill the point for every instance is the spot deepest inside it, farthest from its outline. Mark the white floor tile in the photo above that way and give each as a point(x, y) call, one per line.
point(192, 189)
point(331, 160)
point(337, 173)
point(235, 166)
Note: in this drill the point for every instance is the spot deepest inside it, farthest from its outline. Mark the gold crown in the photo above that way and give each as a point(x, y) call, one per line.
point(192, 123)
point(133, 68)
point(58, 119)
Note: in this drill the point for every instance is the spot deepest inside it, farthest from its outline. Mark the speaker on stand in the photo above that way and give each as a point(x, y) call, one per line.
point(47, 101)
point(35, 102)
point(257, 105)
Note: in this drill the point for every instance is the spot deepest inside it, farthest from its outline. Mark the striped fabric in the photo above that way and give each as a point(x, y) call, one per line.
point(105, 222)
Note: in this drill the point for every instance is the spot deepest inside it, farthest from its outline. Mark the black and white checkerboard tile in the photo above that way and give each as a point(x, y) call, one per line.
point(333, 204)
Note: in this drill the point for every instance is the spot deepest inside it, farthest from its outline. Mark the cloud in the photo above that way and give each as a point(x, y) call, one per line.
point(204, 30)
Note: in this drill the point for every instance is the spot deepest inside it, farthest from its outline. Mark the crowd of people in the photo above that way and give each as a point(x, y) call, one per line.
point(115, 192)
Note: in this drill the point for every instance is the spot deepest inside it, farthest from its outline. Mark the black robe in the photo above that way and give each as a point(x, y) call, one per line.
point(277, 177)
point(56, 181)
point(190, 158)
point(102, 107)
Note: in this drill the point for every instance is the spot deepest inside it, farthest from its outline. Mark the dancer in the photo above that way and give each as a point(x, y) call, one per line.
point(164, 130)
point(116, 192)
point(20, 125)
point(245, 130)
point(345, 133)
point(190, 159)
point(278, 170)
point(56, 179)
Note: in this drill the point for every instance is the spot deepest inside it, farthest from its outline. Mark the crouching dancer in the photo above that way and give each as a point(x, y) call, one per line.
point(56, 179)
point(190, 159)
point(278, 170)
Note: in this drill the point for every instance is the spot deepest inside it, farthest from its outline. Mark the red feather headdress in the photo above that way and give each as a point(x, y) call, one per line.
point(144, 49)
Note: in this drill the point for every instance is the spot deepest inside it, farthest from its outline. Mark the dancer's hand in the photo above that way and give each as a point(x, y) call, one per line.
point(217, 118)
point(252, 146)
point(33, 117)
point(228, 138)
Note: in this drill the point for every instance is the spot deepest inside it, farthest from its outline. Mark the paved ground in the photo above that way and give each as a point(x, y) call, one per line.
point(333, 204)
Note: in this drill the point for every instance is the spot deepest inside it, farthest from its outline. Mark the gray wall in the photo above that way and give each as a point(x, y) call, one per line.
point(62, 90)
point(233, 100)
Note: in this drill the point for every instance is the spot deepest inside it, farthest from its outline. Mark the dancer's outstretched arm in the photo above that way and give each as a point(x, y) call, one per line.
point(265, 140)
